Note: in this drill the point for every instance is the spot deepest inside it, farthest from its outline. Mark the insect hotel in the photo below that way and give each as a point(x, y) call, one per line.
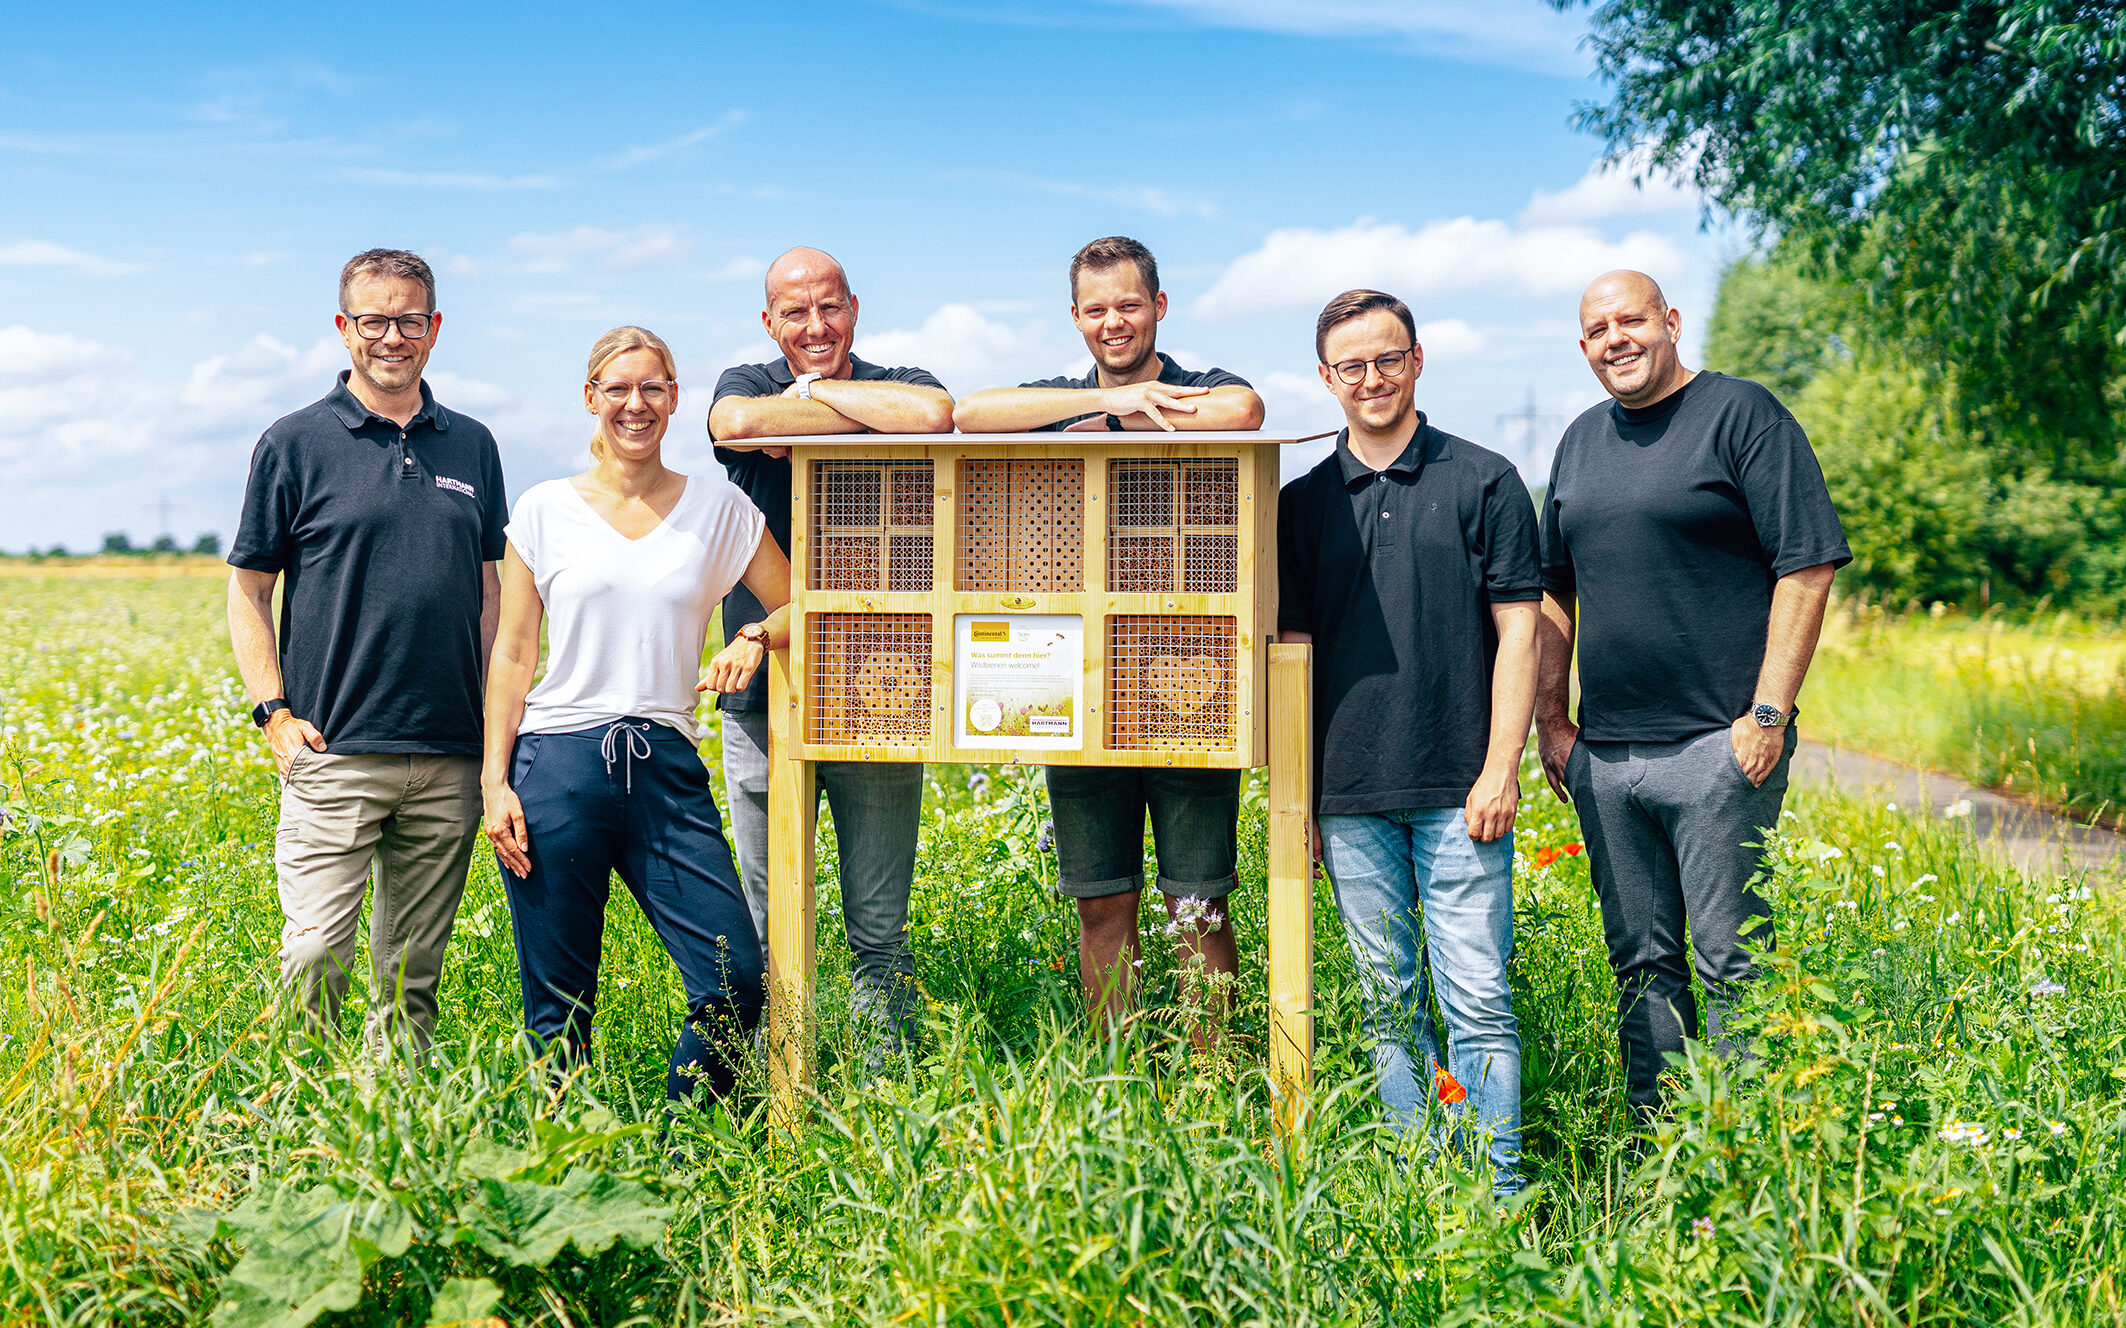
point(994, 598)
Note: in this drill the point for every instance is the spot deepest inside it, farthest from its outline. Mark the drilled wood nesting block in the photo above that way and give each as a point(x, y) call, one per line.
point(1170, 683)
point(1021, 527)
point(867, 679)
point(870, 525)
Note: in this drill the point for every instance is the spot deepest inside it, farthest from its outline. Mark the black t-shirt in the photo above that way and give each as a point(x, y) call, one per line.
point(1169, 372)
point(1671, 525)
point(380, 533)
point(1393, 573)
point(766, 481)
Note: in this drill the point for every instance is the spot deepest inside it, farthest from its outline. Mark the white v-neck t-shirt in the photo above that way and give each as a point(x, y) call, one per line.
point(627, 619)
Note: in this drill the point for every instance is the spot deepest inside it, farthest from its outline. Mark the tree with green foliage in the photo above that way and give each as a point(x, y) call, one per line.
point(1964, 162)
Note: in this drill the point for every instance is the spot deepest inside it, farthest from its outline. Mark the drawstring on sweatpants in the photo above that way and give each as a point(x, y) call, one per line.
point(612, 750)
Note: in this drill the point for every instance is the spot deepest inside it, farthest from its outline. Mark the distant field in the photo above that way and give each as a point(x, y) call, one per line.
point(2037, 709)
point(1929, 1136)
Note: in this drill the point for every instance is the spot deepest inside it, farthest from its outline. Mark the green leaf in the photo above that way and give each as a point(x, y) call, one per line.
point(527, 1224)
point(465, 1302)
point(298, 1261)
point(485, 1159)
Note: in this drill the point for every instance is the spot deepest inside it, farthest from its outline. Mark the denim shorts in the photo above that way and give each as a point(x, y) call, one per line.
point(1099, 814)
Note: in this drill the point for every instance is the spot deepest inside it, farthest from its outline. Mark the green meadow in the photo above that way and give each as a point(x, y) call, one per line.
point(1932, 1130)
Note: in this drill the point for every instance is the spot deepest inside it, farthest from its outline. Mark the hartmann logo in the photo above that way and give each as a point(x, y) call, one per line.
point(455, 486)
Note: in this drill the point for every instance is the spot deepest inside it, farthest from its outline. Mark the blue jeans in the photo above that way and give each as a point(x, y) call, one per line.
point(637, 803)
point(1419, 895)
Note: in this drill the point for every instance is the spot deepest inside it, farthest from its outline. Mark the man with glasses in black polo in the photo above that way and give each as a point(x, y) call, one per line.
point(383, 515)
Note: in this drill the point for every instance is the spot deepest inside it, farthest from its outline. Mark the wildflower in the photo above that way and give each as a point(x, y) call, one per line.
point(1894, 847)
point(2047, 987)
point(1960, 807)
point(1701, 1228)
point(1928, 879)
point(1963, 1132)
point(2011, 1135)
point(1954, 918)
point(1878, 870)
point(1449, 1088)
point(1889, 806)
point(1045, 842)
point(978, 784)
point(1879, 951)
point(2057, 1128)
point(1573, 850)
point(1829, 853)
point(1544, 857)
point(2052, 899)
point(1901, 925)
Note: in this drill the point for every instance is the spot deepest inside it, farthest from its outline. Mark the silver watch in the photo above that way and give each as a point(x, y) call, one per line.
point(1769, 716)
point(804, 384)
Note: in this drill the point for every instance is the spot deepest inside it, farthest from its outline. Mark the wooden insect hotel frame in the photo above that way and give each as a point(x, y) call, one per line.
point(1049, 598)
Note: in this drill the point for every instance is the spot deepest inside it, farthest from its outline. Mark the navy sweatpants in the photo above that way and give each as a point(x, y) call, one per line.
point(631, 797)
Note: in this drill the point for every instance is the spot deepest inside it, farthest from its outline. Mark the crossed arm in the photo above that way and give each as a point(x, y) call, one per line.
point(1151, 405)
point(838, 405)
point(1798, 602)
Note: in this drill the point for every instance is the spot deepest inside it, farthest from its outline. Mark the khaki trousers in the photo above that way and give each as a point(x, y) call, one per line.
point(409, 821)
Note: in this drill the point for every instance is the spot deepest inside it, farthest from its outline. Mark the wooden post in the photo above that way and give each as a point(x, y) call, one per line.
point(793, 811)
point(1291, 958)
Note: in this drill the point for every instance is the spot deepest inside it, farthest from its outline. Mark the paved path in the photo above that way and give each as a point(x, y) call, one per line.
point(2035, 840)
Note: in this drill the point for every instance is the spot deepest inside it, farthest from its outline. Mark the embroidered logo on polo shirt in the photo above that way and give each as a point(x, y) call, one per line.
point(455, 486)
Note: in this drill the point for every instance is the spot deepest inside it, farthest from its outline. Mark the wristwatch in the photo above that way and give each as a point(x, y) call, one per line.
point(804, 384)
point(263, 711)
point(754, 631)
point(1114, 422)
point(1769, 716)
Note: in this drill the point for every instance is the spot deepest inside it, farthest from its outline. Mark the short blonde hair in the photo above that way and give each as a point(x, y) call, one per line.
point(618, 342)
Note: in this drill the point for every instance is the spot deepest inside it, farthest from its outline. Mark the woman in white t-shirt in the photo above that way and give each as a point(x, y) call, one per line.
point(596, 770)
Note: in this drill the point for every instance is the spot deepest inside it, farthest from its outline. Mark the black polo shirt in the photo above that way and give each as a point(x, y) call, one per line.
point(766, 481)
point(379, 533)
point(1671, 525)
point(1393, 573)
point(1169, 372)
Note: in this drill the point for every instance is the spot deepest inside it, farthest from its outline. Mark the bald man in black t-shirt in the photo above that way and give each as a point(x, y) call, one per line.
point(1689, 538)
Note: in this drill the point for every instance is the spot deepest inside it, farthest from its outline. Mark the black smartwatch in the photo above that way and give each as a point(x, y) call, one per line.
point(263, 711)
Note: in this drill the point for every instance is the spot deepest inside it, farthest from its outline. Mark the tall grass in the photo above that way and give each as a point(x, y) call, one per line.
point(2037, 709)
point(1930, 1133)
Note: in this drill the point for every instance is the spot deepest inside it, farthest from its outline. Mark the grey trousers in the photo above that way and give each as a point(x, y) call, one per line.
point(408, 820)
point(877, 807)
point(1674, 833)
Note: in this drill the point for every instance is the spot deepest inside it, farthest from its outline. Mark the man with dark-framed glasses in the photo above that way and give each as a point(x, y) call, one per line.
point(381, 514)
point(1408, 558)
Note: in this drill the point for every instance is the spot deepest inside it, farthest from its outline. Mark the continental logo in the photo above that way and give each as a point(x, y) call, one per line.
point(990, 631)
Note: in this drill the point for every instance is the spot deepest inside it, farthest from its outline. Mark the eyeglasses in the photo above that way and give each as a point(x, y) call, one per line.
point(1390, 366)
point(655, 391)
point(374, 327)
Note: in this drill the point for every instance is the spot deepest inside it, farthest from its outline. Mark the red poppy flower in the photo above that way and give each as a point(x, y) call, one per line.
point(1449, 1088)
point(1573, 850)
point(1545, 856)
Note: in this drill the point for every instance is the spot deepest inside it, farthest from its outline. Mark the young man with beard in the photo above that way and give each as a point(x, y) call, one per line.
point(1099, 812)
point(819, 387)
point(1408, 559)
point(1688, 528)
point(381, 514)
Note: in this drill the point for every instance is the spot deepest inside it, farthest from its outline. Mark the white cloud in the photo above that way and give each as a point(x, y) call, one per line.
point(1452, 339)
point(1626, 186)
point(467, 394)
point(257, 382)
point(1521, 34)
point(966, 349)
point(1138, 197)
point(636, 156)
point(483, 181)
point(45, 377)
point(27, 355)
point(615, 251)
point(43, 253)
point(1299, 268)
point(737, 269)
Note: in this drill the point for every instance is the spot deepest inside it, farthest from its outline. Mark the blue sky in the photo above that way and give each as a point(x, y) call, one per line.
point(179, 186)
